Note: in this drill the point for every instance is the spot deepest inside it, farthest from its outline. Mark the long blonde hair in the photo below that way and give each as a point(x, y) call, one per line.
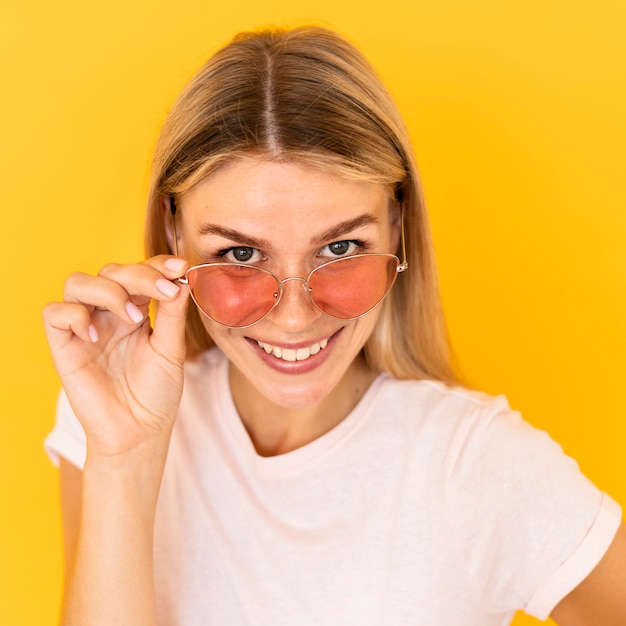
point(308, 95)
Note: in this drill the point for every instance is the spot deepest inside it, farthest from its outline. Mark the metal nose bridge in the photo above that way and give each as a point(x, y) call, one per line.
point(284, 280)
point(305, 284)
point(307, 290)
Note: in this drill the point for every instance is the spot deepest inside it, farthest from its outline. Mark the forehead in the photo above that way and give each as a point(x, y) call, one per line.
point(260, 192)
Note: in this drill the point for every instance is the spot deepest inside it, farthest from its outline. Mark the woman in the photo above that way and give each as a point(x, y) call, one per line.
point(294, 447)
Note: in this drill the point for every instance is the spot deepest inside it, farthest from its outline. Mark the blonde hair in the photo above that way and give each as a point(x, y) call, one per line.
point(308, 95)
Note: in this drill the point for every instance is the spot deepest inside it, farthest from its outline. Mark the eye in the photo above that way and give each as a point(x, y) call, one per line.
point(342, 248)
point(240, 254)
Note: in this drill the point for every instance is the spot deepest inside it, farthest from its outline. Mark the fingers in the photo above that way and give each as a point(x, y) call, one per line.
point(123, 290)
point(169, 322)
point(98, 292)
point(151, 279)
point(168, 336)
point(68, 317)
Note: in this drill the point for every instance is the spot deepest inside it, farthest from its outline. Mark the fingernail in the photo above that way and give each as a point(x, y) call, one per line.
point(93, 333)
point(134, 313)
point(175, 265)
point(166, 287)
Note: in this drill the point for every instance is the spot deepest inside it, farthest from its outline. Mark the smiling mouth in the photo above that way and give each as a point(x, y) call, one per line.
point(291, 354)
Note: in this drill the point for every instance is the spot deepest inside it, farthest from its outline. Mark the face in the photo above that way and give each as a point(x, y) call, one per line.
point(287, 218)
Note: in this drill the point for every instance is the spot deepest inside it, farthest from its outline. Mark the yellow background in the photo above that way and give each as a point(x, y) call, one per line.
point(518, 113)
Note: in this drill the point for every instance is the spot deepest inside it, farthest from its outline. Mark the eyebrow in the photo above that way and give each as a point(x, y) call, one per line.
point(233, 235)
point(333, 232)
point(344, 227)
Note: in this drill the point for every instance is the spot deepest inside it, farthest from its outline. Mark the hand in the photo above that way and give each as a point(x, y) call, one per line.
point(123, 379)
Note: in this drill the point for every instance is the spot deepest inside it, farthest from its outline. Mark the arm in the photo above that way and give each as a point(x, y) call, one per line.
point(71, 482)
point(600, 600)
point(109, 561)
point(111, 574)
point(124, 382)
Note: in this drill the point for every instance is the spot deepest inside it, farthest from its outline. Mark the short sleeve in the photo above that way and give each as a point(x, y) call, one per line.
point(529, 525)
point(67, 438)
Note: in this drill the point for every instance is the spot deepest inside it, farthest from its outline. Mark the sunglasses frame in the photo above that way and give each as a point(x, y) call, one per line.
point(401, 266)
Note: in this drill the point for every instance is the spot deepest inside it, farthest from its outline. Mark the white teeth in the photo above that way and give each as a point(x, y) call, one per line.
point(288, 355)
point(291, 355)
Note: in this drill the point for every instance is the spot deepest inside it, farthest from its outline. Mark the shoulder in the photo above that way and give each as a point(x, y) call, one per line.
point(473, 436)
point(448, 428)
point(427, 402)
point(433, 394)
point(527, 523)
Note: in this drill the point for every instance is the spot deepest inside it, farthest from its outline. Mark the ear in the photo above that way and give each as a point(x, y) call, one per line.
point(167, 219)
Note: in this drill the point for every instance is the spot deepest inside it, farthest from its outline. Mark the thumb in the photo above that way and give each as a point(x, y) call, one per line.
point(168, 335)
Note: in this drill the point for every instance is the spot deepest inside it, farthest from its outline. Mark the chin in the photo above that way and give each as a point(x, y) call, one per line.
point(295, 398)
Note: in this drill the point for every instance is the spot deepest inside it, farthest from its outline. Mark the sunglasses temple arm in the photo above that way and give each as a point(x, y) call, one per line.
point(181, 279)
point(404, 263)
point(173, 212)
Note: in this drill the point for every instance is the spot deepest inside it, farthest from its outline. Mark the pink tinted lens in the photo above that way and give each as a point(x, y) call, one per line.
point(233, 295)
point(351, 287)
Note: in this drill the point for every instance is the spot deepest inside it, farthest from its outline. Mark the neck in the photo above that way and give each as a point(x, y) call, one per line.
point(276, 429)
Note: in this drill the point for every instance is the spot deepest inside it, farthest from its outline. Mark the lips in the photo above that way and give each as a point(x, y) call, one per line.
point(293, 354)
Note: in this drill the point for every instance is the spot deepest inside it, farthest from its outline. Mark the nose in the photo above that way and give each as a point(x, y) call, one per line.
point(294, 310)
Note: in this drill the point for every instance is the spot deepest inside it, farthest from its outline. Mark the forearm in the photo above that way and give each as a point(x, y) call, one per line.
point(112, 580)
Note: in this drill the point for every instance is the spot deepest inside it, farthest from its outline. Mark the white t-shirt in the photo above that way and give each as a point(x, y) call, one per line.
point(425, 506)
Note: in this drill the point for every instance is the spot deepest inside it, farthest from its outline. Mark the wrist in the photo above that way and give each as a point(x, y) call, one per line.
point(150, 452)
point(133, 474)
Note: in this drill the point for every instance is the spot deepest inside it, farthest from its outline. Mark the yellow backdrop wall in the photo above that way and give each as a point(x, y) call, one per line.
point(517, 112)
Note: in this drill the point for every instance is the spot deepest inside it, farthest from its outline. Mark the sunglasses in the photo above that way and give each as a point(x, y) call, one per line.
point(239, 295)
